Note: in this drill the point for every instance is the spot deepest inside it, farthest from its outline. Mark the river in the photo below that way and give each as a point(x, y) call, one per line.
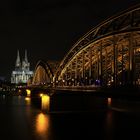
point(21, 119)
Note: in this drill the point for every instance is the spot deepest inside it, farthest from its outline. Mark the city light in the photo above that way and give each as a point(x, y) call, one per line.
point(28, 92)
point(28, 100)
point(45, 102)
point(109, 100)
point(19, 91)
point(40, 94)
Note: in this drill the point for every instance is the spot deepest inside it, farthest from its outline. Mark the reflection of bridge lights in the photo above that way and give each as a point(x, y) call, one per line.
point(42, 124)
point(28, 92)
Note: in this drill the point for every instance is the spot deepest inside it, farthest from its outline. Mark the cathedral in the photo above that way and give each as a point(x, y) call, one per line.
point(22, 72)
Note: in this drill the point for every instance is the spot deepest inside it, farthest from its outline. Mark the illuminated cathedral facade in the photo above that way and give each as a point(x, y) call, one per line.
point(22, 72)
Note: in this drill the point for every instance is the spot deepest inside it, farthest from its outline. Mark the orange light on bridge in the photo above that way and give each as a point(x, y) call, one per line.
point(19, 91)
point(28, 100)
point(42, 124)
point(28, 92)
point(109, 100)
point(45, 102)
point(41, 94)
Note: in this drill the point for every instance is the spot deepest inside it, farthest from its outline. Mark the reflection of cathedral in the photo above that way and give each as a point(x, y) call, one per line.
point(22, 72)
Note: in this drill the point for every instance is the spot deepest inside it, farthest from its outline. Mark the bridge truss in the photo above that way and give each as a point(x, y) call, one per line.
point(107, 55)
point(43, 74)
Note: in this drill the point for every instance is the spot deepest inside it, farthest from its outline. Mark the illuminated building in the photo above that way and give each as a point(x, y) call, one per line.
point(22, 72)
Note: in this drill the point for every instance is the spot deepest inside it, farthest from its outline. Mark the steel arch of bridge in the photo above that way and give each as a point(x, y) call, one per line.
point(107, 55)
point(43, 74)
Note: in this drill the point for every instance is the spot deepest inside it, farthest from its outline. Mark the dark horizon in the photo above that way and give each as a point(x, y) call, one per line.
point(48, 29)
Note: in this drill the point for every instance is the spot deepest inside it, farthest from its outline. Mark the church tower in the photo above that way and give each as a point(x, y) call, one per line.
point(25, 63)
point(18, 62)
point(26, 59)
point(22, 72)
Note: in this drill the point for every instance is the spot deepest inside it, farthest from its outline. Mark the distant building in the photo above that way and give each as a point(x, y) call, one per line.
point(22, 72)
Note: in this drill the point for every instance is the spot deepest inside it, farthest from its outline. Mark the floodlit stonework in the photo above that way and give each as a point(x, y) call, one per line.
point(22, 72)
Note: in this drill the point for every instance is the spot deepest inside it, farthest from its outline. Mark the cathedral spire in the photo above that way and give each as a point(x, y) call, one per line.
point(26, 59)
point(18, 63)
point(22, 72)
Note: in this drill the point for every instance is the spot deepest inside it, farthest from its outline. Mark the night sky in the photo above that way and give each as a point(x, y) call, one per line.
point(48, 28)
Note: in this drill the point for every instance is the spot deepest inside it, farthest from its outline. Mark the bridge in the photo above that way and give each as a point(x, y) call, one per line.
point(43, 74)
point(108, 55)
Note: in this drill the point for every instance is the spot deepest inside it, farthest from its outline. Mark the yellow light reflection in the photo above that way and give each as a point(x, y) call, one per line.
point(45, 102)
point(42, 124)
point(28, 100)
point(28, 92)
point(109, 101)
point(109, 121)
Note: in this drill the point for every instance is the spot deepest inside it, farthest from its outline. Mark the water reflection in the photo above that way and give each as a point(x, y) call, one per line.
point(109, 119)
point(34, 125)
point(109, 125)
point(42, 125)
